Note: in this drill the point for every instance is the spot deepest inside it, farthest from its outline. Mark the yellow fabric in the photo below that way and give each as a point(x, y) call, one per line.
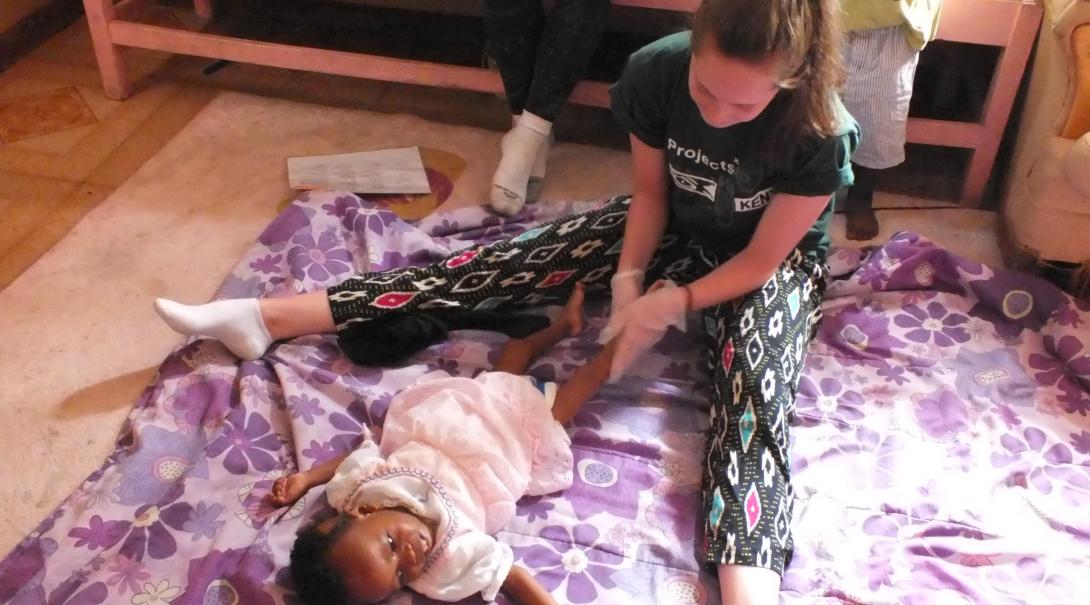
point(918, 18)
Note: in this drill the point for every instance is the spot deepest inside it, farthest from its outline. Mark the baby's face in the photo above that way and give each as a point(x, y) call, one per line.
point(380, 552)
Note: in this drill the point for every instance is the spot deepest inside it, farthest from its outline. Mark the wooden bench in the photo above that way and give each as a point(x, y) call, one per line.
point(1008, 24)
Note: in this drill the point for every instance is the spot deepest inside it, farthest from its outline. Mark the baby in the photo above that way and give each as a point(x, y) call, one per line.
point(418, 508)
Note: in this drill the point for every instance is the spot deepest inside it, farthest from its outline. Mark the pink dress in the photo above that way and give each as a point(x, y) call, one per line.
point(461, 452)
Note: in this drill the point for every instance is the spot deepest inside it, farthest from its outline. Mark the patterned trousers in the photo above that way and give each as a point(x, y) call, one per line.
point(755, 348)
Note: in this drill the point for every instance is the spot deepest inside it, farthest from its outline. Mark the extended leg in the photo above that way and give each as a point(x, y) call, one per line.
point(538, 267)
point(756, 349)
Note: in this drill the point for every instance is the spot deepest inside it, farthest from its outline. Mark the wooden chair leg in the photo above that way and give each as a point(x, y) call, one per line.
point(111, 63)
point(997, 108)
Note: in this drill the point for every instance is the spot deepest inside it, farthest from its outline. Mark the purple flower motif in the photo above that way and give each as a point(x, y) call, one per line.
point(201, 400)
point(1067, 367)
point(1008, 416)
point(1015, 301)
point(892, 373)
point(1077, 402)
point(358, 422)
point(450, 366)
point(671, 510)
point(267, 264)
point(203, 521)
point(534, 507)
point(1068, 315)
point(929, 269)
point(329, 364)
point(360, 216)
point(827, 399)
point(246, 442)
point(859, 336)
point(576, 556)
point(294, 219)
point(600, 465)
point(24, 566)
point(127, 574)
point(68, 593)
point(320, 452)
point(235, 286)
point(1080, 442)
point(150, 530)
point(994, 375)
point(319, 260)
point(342, 205)
point(933, 324)
point(98, 533)
point(159, 462)
point(1031, 460)
point(872, 457)
point(305, 407)
point(942, 415)
point(231, 576)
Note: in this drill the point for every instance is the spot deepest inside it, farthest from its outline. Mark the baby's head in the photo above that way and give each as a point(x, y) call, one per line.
point(359, 556)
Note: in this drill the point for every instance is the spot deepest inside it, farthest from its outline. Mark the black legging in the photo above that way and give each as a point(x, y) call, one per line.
point(542, 57)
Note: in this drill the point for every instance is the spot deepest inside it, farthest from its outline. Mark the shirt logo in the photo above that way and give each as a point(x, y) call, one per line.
point(755, 202)
point(694, 184)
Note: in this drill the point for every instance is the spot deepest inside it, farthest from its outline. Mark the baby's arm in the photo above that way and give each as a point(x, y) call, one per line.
point(525, 589)
point(519, 353)
point(287, 490)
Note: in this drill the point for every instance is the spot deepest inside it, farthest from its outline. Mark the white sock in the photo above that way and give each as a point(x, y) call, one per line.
point(236, 323)
point(520, 148)
point(537, 174)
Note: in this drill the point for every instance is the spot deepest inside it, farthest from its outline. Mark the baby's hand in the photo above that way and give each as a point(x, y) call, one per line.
point(287, 490)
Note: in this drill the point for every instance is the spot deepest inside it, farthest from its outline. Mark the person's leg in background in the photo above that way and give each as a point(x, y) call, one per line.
point(564, 47)
point(879, 68)
point(756, 350)
point(536, 268)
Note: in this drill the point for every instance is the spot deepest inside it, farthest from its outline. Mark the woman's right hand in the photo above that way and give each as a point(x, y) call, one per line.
point(627, 286)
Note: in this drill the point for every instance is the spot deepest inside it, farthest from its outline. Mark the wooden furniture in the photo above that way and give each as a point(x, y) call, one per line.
point(1009, 24)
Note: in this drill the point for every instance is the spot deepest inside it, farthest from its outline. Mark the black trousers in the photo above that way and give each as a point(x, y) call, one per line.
point(542, 57)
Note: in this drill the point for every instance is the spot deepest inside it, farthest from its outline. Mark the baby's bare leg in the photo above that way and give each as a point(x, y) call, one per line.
point(519, 353)
point(583, 384)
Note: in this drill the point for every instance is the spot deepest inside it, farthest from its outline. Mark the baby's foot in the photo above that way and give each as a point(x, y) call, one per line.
point(287, 490)
point(572, 315)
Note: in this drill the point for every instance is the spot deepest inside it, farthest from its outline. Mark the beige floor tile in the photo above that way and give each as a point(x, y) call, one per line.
point(57, 143)
point(18, 87)
point(70, 75)
point(42, 229)
point(29, 201)
point(96, 99)
point(96, 146)
point(43, 113)
point(150, 136)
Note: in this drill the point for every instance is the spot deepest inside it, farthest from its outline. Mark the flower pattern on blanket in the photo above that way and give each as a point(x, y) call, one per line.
point(941, 442)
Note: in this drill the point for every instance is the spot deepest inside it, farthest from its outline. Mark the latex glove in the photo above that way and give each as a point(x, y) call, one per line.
point(641, 324)
point(626, 286)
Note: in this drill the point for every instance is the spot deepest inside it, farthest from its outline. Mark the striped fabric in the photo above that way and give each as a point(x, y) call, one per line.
point(879, 67)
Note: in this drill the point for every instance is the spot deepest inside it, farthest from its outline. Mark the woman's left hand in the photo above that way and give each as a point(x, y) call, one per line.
point(643, 323)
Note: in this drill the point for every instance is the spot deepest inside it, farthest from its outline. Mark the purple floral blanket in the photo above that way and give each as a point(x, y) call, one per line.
point(941, 443)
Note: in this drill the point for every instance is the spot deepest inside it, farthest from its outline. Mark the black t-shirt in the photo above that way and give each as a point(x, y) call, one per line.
point(720, 183)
